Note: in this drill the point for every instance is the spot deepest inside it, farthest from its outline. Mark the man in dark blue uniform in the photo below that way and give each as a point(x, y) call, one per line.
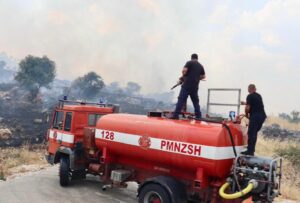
point(192, 73)
point(255, 111)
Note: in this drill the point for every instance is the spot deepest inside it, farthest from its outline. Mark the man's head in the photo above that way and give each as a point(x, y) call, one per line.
point(251, 88)
point(194, 57)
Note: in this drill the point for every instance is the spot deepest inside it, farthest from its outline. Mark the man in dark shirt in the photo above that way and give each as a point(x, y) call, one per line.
point(192, 73)
point(255, 111)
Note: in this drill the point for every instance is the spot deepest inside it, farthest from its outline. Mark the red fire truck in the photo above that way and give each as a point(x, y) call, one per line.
point(171, 160)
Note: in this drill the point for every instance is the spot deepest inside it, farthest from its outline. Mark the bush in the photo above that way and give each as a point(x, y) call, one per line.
point(291, 153)
point(294, 116)
point(2, 176)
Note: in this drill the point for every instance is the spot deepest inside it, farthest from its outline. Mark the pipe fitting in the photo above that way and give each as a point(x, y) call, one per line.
point(254, 182)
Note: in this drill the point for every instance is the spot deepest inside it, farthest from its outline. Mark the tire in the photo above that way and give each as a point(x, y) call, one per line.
point(154, 193)
point(64, 171)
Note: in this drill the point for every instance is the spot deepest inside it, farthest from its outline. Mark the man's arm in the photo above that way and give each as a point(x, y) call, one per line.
point(184, 71)
point(185, 68)
point(202, 74)
point(247, 110)
point(248, 104)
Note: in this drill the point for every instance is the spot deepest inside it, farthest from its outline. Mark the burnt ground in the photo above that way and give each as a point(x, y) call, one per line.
point(274, 131)
point(22, 120)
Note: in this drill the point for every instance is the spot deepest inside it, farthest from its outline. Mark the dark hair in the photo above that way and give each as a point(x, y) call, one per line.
point(194, 56)
point(252, 86)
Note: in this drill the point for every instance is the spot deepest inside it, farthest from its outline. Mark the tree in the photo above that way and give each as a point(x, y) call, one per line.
point(133, 88)
point(114, 88)
point(35, 72)
point(295, 116)
point(88, 86)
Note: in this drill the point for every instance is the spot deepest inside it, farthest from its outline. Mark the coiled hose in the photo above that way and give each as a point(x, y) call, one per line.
point(251, 185)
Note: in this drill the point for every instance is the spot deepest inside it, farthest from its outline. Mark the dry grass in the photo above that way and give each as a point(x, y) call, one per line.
point(15, 160)
point(268, 147)
point(291, 178)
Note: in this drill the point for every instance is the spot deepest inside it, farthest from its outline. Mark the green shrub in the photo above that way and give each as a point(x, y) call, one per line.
point(1, 174)
point(291, 153)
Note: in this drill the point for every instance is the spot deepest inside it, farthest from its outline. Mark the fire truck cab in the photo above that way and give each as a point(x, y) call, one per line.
point(66, 135)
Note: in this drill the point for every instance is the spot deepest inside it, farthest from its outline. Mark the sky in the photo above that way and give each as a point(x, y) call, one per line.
point(149, 41)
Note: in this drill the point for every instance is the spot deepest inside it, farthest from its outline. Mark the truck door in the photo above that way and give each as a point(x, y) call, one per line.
point(60, 132)
point(57, 124)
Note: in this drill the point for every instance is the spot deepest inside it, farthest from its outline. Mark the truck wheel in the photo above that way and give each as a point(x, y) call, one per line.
point(154, 193)
point(64, 171)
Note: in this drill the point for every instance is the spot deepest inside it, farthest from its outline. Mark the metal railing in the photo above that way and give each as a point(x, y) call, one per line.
point(224, 104)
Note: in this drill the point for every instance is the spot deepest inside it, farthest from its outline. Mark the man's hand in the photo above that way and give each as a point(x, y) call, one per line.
point(247, 115)
point(247, 110)
point(181, 79)
point(243, 103)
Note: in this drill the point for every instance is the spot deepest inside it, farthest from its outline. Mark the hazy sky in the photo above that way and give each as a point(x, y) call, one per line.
point(148, 41)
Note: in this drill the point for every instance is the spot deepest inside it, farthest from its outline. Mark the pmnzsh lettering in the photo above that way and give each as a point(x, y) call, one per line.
point(179, 147)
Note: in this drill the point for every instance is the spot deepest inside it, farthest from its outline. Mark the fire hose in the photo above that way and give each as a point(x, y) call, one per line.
point(177, 84)
point(251, 185)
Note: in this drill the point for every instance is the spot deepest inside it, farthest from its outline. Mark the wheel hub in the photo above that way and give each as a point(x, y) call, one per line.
point(153, 197)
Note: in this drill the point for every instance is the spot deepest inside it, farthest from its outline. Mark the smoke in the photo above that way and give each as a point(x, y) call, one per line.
point(148, 42)
point(7, 68)
point(8, 62)
point(139, 39)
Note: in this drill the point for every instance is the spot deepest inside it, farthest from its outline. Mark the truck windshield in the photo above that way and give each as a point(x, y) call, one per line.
point(68, 121)
point(58, 120)
point(93, 118)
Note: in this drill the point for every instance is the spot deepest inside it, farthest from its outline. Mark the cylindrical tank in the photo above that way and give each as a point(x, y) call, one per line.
point(185, 144)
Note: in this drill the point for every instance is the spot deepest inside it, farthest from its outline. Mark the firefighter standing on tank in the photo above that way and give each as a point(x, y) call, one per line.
point(192, 73)
point(255, 111)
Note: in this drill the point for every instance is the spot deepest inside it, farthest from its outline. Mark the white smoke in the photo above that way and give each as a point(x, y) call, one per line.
point(148, 42)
